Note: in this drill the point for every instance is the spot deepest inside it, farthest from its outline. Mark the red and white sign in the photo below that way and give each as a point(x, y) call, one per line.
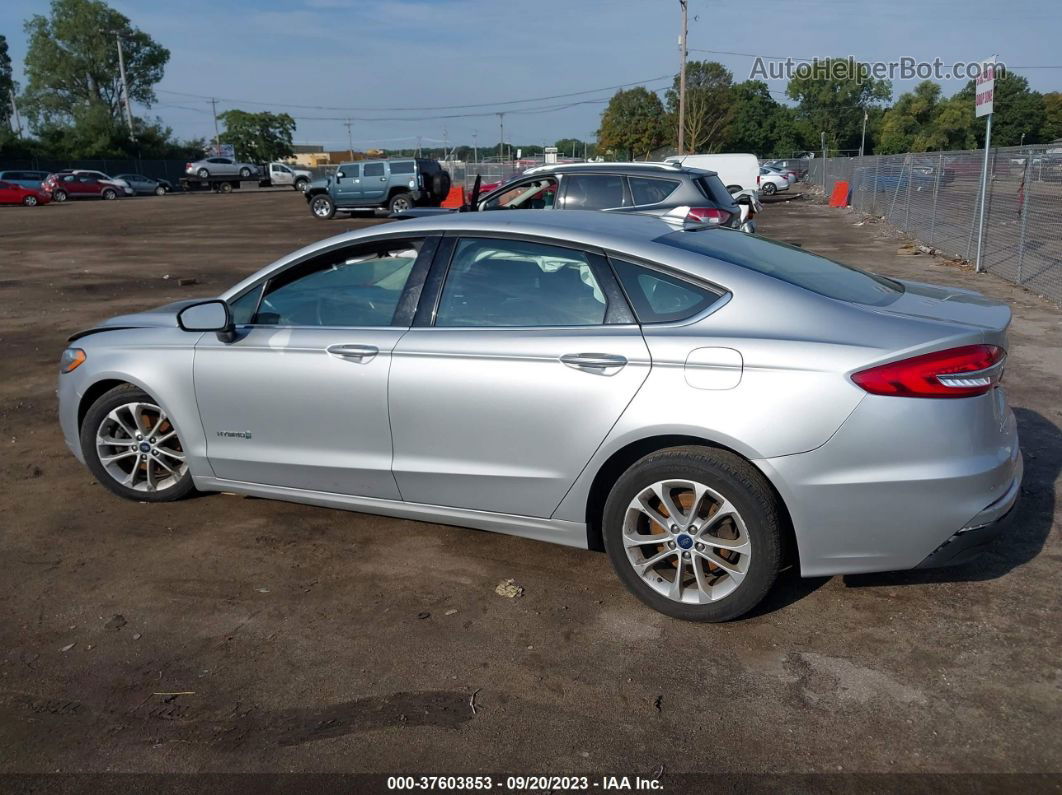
point(985, 88)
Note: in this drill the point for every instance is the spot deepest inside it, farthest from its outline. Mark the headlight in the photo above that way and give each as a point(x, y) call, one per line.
point(71, 359)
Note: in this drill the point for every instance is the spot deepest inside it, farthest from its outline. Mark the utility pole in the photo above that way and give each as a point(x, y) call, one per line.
point(217, 135)
point(682, 83)
point(475, 149)
point(446, 144)
point(350, 141)
point(501, 135)
point(863, 139)
point(125, 87)
point(14, 114)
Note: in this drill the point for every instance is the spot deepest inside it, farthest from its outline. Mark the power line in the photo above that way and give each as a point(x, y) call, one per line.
point(421, 108)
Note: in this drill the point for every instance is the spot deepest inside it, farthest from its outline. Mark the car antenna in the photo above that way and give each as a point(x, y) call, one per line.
point(474, 198)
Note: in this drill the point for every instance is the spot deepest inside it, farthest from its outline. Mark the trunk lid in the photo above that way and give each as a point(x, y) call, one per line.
point(953, 306)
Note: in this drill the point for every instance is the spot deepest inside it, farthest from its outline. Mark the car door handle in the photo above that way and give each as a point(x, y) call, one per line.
point(593, 361)
point(354, 353)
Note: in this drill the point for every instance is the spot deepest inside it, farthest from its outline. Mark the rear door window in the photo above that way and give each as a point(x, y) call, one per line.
point(594, 192)
point(373, 169)
point(519, 283)
point(647, 190)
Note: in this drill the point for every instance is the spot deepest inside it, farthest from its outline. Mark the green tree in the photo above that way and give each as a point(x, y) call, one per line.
point(566, 146)
point(1015, 110)
point(7, 87)
point(632, 124)
point(908, 125)
point(1052, 129)
point(832, 95)
point(258, 137)
point(709, 105)
point(758, 123)
point(72, 75)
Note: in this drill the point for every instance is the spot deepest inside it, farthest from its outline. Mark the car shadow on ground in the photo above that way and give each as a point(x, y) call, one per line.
point(1029, 527)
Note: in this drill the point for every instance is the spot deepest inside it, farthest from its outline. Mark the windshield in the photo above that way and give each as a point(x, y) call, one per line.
point(790, 264)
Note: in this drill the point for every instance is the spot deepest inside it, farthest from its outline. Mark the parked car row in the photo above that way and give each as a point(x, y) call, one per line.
point(42, 187)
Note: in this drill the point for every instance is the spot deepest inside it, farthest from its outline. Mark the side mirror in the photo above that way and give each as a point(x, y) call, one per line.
point(339, 174)
point(212, 315)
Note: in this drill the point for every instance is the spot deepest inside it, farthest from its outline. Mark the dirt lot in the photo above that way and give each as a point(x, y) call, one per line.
point(299, 639)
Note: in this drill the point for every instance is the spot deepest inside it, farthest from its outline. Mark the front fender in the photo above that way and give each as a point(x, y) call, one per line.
point(158, 361)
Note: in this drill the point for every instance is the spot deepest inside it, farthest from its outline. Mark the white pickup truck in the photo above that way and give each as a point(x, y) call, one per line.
point(281, 174)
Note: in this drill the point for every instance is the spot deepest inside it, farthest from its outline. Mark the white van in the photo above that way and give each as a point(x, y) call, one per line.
point(737, 172)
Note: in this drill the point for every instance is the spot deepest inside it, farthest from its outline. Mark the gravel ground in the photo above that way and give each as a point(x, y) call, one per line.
point(231, 634)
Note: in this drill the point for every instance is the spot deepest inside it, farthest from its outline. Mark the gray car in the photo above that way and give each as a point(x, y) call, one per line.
point(220, 167)
point(706, 406)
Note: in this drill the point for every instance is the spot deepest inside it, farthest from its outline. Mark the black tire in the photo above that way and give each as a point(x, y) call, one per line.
point(769, 188)
point(440, 186)
point(245, 172)
point(109, 194)
point(225, 187)
point(30, 200)
point(400, 202)
point(742, 485)
point(59, 195)
point(322, 206)
point(160, 191)
point(202, 173)
point(302, 184)
point(97, 413)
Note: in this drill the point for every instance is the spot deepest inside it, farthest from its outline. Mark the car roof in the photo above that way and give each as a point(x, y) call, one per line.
point(660, 169)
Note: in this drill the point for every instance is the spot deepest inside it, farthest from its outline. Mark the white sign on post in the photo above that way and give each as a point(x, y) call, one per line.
point(984, 88)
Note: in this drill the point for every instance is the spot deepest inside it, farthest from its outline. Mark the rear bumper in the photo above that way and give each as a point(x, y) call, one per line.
point(901, 481)
point(980, 532)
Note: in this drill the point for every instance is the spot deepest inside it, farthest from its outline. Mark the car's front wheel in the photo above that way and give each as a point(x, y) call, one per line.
point(245, 172)
point(322, 206)
point(109, 194)
point(29, 200)
point(160, 191)
point(695, 533)
point(133, 449)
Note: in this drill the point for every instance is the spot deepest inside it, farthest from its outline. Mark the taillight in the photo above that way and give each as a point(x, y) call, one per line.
point(708, 215)
point(758, 178)
point(956, 372)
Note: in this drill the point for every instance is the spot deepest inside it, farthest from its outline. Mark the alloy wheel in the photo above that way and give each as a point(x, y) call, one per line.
point(321, 207)
point(686, 541)
point(139, 448)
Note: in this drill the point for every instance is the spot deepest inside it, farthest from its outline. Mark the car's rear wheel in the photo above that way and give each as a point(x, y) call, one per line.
point(769, 188)
point(322, 206)
point(695, 533)
point(301, 185)
point(400, 202)
point(132, 448)
point(245, 172)
point(59, 196)
point(30, 200)
point(203, 173)
point(160, 191)
point(109, 194)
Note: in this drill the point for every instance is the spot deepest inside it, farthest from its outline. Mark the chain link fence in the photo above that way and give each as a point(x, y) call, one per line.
point(935, 197)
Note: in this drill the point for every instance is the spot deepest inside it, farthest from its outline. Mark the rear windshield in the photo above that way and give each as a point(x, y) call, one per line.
point(790, 264)
point(713, 188)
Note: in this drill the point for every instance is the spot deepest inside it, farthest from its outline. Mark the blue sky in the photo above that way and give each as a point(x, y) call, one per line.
point(429, 53)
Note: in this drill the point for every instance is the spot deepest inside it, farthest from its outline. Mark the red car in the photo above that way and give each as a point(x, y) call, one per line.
point(68, 185)
point(10, 193)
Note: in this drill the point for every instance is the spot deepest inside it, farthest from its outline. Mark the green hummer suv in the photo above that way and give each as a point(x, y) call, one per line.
point(397, 185)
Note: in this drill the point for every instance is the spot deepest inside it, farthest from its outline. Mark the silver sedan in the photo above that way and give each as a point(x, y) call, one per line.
point(705, 406)
point(220, 167)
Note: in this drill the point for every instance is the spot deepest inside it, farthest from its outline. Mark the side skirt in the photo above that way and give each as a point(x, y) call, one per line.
point(556, 531)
